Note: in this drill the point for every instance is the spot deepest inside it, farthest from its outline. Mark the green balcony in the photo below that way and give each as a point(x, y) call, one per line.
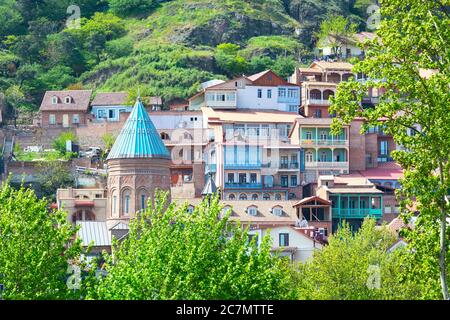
point(346, 213)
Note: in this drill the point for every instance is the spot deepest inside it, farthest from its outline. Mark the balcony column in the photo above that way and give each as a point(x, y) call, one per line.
point(316, 137)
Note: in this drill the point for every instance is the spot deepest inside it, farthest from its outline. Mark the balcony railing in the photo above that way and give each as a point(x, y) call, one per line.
point(232, 185)
point(323, 142)
point(292, 165)
point(356, 213)
point(242, 165)
point(321, 102)
point(328, 165)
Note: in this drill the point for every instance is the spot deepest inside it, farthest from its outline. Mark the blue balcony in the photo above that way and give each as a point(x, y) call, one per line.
point(243, 185)
point(360, 213)
point(242, 166)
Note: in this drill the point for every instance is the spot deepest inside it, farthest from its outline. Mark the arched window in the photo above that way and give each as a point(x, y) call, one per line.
point(164, 136)
point(309, 156)
point(226, 210)
point(315, 94)
point(232, 197)
point(277, 196)
point(243, 196)
point(190, 208)
point(126, 200)
point(143, 199)
point(327, 94)
point(277, 211)
point(266, 196)
point(254, 196)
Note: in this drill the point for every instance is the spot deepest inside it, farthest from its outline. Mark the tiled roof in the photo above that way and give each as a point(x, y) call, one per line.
point(334, 65)
point(256, 76)
point(138, 137)
point(79, 100)
point(110, 99)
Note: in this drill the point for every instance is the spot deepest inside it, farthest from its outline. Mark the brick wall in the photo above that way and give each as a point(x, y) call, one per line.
point(357, 146)
point(45, 115)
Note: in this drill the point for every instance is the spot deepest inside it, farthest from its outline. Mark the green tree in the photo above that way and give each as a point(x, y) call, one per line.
point(59, 143)
point(335, 32)
point(229, 60)
point(411, 62)
point(132, 7)
point(35, 249)
point(108, 139)
point(356, 267)
point(173, 254)
point(53, 175)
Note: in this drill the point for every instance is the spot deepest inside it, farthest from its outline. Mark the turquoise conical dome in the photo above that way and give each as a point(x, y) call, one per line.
point(138, 138)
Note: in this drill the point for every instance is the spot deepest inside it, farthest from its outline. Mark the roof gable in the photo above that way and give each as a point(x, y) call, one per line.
point(79, 100)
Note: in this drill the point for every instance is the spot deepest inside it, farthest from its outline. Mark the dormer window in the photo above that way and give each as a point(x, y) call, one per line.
point(225, 210)
point(190, 209)
point(67, 100)
point(252, 210)
point(54, 100)
point(277, 211)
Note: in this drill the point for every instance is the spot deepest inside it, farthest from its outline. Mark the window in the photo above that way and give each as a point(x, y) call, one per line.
point(284, 181)
point(284, 240)
point(317, 113)
point(101, 114)
point(68, 100)
point(253, 211)
point(243, 197)
point(282, 92)
point(231, 178)
point(76, 118)
point(114, 208)
point(277, 211)
point(221, 97)
point(112, 114)
point(226, 210)
point(190, 209)
point(254, 197)
point(284, 163)
point(52, 119)
point(54, 100)
point(143, 201)
point(309, 156)
point(242, 178)
point(231, 96)
point(266, 196)
point(292, 93)
point(231, 197)
point(323, 135)
point(269, 94)
point(308, 135)
point(293, 181)
point(323, 157)
point(252, 177)
point(210, 97)
point(278, 197)
point(126, 203)
point(251, 237)
point(293, 108)
point(259, 93)
point(383, 147)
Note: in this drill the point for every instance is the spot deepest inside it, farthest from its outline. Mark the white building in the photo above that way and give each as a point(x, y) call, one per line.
point(262, 91)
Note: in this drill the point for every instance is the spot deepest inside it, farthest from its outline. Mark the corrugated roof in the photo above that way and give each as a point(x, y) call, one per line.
point(138, 138)
point(94, 232)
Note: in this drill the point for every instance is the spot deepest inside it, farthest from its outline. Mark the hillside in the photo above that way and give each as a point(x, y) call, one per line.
point(163, 47)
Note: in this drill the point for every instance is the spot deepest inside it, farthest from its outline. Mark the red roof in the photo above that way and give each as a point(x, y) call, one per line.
point(110, 99)
point(78, 100)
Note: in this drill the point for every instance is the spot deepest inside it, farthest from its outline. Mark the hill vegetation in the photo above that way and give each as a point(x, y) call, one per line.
point(165, 47)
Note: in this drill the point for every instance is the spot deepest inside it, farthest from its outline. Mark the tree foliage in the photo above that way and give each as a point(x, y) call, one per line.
point(173, 254)
point(36, 247)
point(336, 32)
point(410, 61)
point(356, 267)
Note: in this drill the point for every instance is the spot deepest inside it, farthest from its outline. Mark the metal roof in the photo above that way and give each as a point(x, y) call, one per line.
point(95, 232)
point(138, 138)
